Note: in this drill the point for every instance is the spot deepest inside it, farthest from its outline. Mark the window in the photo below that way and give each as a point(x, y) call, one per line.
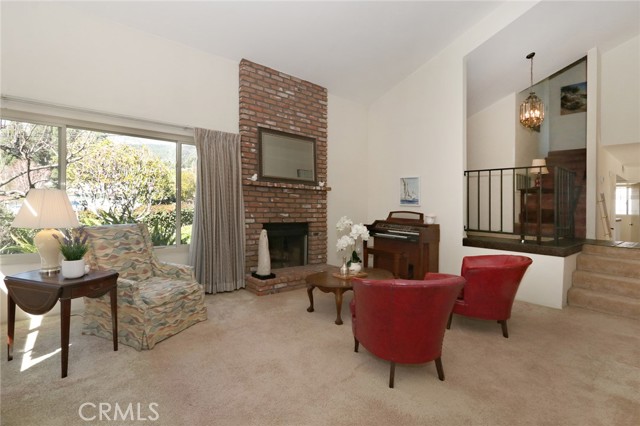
point(110, 177)
point(628, 199)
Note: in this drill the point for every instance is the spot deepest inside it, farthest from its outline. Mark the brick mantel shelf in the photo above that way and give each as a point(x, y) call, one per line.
point(287, 185)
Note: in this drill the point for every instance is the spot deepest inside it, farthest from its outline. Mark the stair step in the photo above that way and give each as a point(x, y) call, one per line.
point(608, 265)
point(612, 251)
point(594, 281)
point(602, 302)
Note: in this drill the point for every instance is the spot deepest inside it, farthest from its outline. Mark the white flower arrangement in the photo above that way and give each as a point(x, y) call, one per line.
point(348, 237)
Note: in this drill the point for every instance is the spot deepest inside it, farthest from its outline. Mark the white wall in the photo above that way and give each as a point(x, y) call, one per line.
point(491, 136)
point(619, 121)
point(609, 168)
point(56, 54)
point(490, 145)
point(347, 167)
point(620, 93)
point(567, 131)
point(419, 129)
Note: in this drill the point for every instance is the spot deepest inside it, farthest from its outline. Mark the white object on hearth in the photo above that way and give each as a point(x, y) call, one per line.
point(264, 260)
point(321, 184)
point(254, 177)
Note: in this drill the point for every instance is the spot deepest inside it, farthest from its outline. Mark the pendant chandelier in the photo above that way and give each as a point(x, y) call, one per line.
point(532, 109)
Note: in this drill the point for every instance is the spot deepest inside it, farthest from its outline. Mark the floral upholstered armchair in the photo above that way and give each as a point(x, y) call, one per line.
point(155, 299)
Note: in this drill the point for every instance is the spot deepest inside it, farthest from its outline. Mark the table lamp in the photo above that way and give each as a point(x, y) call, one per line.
point(46, 209)
point(539, 167)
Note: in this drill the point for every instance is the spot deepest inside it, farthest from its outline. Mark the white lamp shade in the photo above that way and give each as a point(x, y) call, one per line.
point(46, 208)
point(539, 165)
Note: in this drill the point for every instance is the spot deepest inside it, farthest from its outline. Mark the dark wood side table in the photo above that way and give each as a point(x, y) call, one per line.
point(37, 293)
point(326, 282)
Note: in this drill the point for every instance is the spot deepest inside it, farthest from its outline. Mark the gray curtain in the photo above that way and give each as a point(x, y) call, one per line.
point(217, 237)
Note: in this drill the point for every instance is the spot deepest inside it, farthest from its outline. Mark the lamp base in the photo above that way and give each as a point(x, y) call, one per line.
point(49, 250)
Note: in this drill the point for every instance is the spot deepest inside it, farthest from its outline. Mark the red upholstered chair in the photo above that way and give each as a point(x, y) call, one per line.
point(492, 283)
point(404, 321)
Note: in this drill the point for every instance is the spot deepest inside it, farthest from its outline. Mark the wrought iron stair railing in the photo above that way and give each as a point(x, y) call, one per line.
point(520, 202)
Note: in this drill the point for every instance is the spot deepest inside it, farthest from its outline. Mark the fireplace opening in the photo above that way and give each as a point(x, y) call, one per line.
point(287, 244)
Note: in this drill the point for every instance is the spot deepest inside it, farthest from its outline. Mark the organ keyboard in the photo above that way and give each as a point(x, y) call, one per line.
point(413, 243)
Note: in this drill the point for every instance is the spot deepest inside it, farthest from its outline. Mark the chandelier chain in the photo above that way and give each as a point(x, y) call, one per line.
point(530, 57)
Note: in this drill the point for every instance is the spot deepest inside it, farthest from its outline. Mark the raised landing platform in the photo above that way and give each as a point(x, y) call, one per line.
point(562, 248)
point(286, 279)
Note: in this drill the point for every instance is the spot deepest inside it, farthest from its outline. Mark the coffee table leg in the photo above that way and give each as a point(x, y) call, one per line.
point(65, 322)
point(310, 293)
point(339, 306)
point(11, 324)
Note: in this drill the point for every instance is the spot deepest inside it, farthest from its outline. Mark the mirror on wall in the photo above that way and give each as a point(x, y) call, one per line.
point(286, 157)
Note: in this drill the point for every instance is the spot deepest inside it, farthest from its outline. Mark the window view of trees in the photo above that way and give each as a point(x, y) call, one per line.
point(109, 178)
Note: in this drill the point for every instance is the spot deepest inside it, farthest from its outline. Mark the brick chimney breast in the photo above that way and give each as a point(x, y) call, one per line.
point(274, 100)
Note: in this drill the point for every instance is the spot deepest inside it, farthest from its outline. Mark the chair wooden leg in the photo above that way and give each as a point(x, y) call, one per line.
point(356, 344)
point(505, 332)
point(392, 374)
point(440, 369)
point(449, 322)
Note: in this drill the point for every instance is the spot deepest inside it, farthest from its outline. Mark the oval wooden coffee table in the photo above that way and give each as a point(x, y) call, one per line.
point(328, 282)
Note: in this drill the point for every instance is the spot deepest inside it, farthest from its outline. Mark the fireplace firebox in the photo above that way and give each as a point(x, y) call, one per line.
point(287, 244)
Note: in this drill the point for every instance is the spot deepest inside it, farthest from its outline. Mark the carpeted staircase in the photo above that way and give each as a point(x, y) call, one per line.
point(607, 279)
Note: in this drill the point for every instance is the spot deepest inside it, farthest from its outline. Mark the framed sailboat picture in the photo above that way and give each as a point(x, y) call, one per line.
point(410, 191)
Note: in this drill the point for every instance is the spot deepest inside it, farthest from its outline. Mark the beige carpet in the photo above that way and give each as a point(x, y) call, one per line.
point(267, 361)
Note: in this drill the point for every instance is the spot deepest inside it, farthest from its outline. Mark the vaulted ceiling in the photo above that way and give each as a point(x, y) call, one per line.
point(360, 49)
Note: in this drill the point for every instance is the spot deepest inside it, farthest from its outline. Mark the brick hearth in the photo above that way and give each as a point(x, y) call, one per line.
point(274, 100)
point(286, 279)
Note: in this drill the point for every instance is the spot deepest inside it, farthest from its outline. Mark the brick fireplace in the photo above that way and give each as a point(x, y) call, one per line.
point(273, 100)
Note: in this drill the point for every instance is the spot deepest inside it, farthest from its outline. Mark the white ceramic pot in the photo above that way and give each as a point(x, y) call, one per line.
point(355, 268)
point(72, 268)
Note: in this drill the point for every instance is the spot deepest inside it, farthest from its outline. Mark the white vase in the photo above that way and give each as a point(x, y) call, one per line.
point(354, 268)
point(72, 268)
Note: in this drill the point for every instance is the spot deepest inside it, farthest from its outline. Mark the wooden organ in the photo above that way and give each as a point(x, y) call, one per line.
point(404, 245)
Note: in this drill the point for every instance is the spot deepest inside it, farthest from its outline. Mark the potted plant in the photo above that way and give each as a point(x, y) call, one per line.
point(73, 246)
point(348, 241)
